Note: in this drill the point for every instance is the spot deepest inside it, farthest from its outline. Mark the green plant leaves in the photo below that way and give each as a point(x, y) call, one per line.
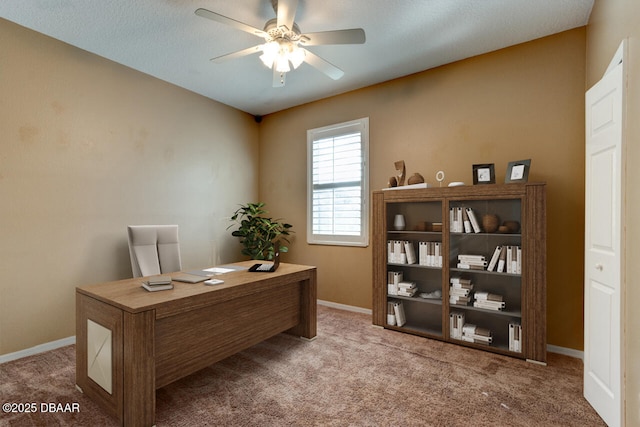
point(257, 232)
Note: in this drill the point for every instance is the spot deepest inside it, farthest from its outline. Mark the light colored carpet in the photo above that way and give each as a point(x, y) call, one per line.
point(353, 374)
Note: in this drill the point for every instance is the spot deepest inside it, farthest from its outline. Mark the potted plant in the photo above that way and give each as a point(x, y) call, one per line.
point(257, 232)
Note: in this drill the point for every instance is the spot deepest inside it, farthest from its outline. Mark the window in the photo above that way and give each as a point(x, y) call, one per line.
point(338, 175)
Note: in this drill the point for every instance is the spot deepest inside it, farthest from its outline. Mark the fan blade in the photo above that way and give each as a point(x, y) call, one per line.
point(326, 67)
point(231, 22)
point(278, 78)
point(238, 54)
point(286, 13)
point(352, 36)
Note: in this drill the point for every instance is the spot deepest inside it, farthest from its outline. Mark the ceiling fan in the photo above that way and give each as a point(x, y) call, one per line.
point(284, 42)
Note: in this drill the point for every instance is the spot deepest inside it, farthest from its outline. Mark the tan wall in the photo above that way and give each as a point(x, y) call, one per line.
point(518, 103)
point(87, 147)
point(610, 22)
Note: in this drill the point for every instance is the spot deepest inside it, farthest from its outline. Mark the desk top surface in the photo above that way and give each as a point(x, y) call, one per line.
point(129, 295)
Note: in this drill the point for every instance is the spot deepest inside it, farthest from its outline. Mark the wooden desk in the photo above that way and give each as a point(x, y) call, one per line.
point(139, 341)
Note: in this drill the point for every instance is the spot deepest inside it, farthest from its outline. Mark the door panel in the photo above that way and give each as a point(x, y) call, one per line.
point(603, 214)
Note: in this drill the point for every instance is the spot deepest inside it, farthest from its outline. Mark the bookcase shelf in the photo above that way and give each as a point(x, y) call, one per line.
point(418, 299)
point(485, 272)
point(505, 310)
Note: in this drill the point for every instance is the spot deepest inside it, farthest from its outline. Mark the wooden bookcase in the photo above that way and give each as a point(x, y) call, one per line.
point(523, 291)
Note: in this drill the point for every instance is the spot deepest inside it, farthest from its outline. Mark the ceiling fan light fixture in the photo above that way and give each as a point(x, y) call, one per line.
point(296, 56)
point(279, 53)
point(270, 53)
point(282, 64)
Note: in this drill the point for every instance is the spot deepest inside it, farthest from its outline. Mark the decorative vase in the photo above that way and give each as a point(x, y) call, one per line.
point(512, 226)
point(490, 223)
point(398, 222)
point(416, 178)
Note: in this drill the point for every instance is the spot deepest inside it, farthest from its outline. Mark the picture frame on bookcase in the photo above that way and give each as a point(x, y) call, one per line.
point(484, 174)
point(518, 171)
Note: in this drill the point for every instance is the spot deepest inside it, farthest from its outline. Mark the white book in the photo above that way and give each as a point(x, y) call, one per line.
point(462, 286)
point(456, 321)
point(508, 260)
point(407, 285)
point(486, 296)
point(494, 258)
point(155, 288)
point(502, 260)
point(409, 250)
point(488, 306)
point(479, 339)
point(398, 250)
point(472, 257)
point(473, 262)
point(473, 220)
point(393, 279)
point(469, 266)
point(459, 291)
point(468, 328)
point(399, 312)
point(515, 331)
point(465, 222)
point(407, 293)
point(438, 254)
point(519, 261)
point(452, 220)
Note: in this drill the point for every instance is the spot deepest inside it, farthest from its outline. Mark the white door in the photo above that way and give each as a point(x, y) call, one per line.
point(603, 363)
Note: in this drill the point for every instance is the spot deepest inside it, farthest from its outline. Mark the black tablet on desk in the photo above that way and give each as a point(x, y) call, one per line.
point(269, 267)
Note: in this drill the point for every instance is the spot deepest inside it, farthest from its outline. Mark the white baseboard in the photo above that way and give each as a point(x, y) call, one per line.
point(344, 307)
point(566, 351)
point(37, 349)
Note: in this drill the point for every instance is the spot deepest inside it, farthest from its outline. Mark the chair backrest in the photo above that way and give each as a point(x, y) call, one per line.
point(154, 249)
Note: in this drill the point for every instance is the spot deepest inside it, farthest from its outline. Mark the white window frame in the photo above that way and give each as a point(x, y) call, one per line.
point(359, 125)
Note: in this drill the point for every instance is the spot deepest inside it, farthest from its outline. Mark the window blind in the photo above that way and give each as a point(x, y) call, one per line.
point(337, 163)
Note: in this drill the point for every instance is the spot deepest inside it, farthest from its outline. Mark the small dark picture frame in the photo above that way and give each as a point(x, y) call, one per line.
point(518, 171)
point(484, 174)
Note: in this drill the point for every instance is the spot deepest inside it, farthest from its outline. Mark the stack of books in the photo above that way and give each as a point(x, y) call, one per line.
point(430, 254)
point(463, 220)
point(472, 262)
point(158, 283)
point(407, 289)
point(515, 337)
point(393, 281)
point(475, 334)
point(401, 252)
point(460, 291)
point(488, 301)
point(506, 259)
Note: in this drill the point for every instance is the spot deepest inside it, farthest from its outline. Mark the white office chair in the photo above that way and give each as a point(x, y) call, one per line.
point(154, 249)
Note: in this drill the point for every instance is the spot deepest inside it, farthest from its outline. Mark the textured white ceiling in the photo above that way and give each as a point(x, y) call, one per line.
point(165, 39)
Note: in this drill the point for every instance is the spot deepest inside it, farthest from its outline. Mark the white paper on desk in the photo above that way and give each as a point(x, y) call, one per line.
point(218, 270)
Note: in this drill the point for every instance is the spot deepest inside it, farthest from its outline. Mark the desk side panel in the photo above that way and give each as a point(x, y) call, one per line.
point(193, 340)
point(139, 369)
